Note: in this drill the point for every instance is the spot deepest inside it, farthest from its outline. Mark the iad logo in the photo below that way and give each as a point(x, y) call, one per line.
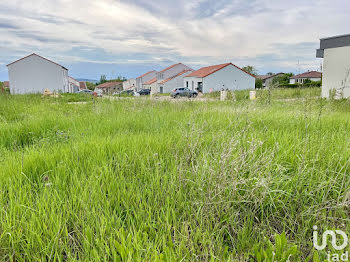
point(333, 234)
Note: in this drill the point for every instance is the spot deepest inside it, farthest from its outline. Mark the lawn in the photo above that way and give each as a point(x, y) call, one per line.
point(146, 180)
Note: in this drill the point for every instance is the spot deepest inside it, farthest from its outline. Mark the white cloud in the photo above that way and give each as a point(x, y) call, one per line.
point(267, 33)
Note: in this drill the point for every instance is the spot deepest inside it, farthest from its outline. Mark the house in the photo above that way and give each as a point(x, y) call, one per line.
point(268, 79)
point(82, 85)
point(109, 87)
point(170, 78)
point(215, 78)
point(151, 84)
point(311, 75)
point(6, 84)
point(335, 52)
point(73, 85)
point(144, 78)
point(129, 84)
point(169, 84)
point(34, 74)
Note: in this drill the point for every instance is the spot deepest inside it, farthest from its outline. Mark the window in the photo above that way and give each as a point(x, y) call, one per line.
point(187, 84)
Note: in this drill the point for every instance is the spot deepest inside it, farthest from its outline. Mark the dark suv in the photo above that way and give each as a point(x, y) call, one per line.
point(144, 92)
point(182, 91)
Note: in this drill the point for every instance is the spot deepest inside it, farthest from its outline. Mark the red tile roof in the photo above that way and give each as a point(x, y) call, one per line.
point(179, 74)
point(265, 77)
point(150, 82)
point(109, 84)
point(166, 69)
point(37, 56)
point(311, 74)
point(146, 74)
point(205, 71)
point(82, 85)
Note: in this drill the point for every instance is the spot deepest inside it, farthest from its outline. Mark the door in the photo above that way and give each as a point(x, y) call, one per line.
point(161, 90)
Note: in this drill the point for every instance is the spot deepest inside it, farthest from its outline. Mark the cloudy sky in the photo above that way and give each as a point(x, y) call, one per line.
point(129, 37)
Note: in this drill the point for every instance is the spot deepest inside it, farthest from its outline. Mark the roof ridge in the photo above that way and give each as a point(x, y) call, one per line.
point(37, 56)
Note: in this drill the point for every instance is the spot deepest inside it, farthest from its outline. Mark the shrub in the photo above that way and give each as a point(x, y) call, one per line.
point(258, 83)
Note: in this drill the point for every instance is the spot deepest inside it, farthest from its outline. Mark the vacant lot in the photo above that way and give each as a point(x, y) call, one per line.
point(145, 180)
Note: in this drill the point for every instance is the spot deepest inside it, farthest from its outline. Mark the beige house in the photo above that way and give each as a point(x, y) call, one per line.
point(109, 88)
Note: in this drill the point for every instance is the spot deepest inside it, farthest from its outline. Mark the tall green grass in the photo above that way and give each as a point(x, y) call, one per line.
point(144, 180)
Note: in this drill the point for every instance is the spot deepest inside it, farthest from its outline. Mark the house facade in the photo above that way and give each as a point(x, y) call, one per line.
point(215, 78)
point(109, 88)
point(74, 85)
point(144, 78)
point(169, 84)
point(301, 78)
point(335, 52)
point(268, 79)
point(170, 78)
point(129, 84)
point(34, 74)
point(151, 84)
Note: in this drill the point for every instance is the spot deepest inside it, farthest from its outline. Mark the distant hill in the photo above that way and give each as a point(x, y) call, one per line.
point(87, 80)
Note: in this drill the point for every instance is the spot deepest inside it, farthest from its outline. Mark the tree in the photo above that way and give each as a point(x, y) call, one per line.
point(258, 83)
point(250, 69)
point(103, 79)
point(90, 86)
point(281, 80)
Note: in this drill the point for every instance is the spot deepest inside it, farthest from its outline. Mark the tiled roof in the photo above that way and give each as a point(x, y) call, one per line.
point(150, 82)
point(311, 74)
point(205, 71)
point(147, 74)
point(179, 74)
point(166, 69)
point(264, 77)
point(109, 84)
point(37, 56)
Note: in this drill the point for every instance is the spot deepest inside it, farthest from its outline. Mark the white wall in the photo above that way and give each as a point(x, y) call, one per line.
point(74, 85)
point(336, 71)
point(129, 83)
point(35, 74)
point(192, 82)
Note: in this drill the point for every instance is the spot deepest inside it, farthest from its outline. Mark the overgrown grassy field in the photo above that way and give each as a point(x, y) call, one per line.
point(145, 180)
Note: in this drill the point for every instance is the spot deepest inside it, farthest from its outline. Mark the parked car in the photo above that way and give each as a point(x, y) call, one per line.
point(85, 91)
point(182, 91)
point(144, 92)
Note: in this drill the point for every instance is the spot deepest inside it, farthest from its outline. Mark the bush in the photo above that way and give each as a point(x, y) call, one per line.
point(258, 83)
point(290, 86)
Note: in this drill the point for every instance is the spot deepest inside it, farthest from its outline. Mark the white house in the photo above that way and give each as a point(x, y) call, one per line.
point(335, 52)
point(34, 74)
point(167, 85)
point(151, 84)
point(144, 78)
point(73, 85)
point(311, 75)
point(168, 79)
point(129, 84)
point(218, 77)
